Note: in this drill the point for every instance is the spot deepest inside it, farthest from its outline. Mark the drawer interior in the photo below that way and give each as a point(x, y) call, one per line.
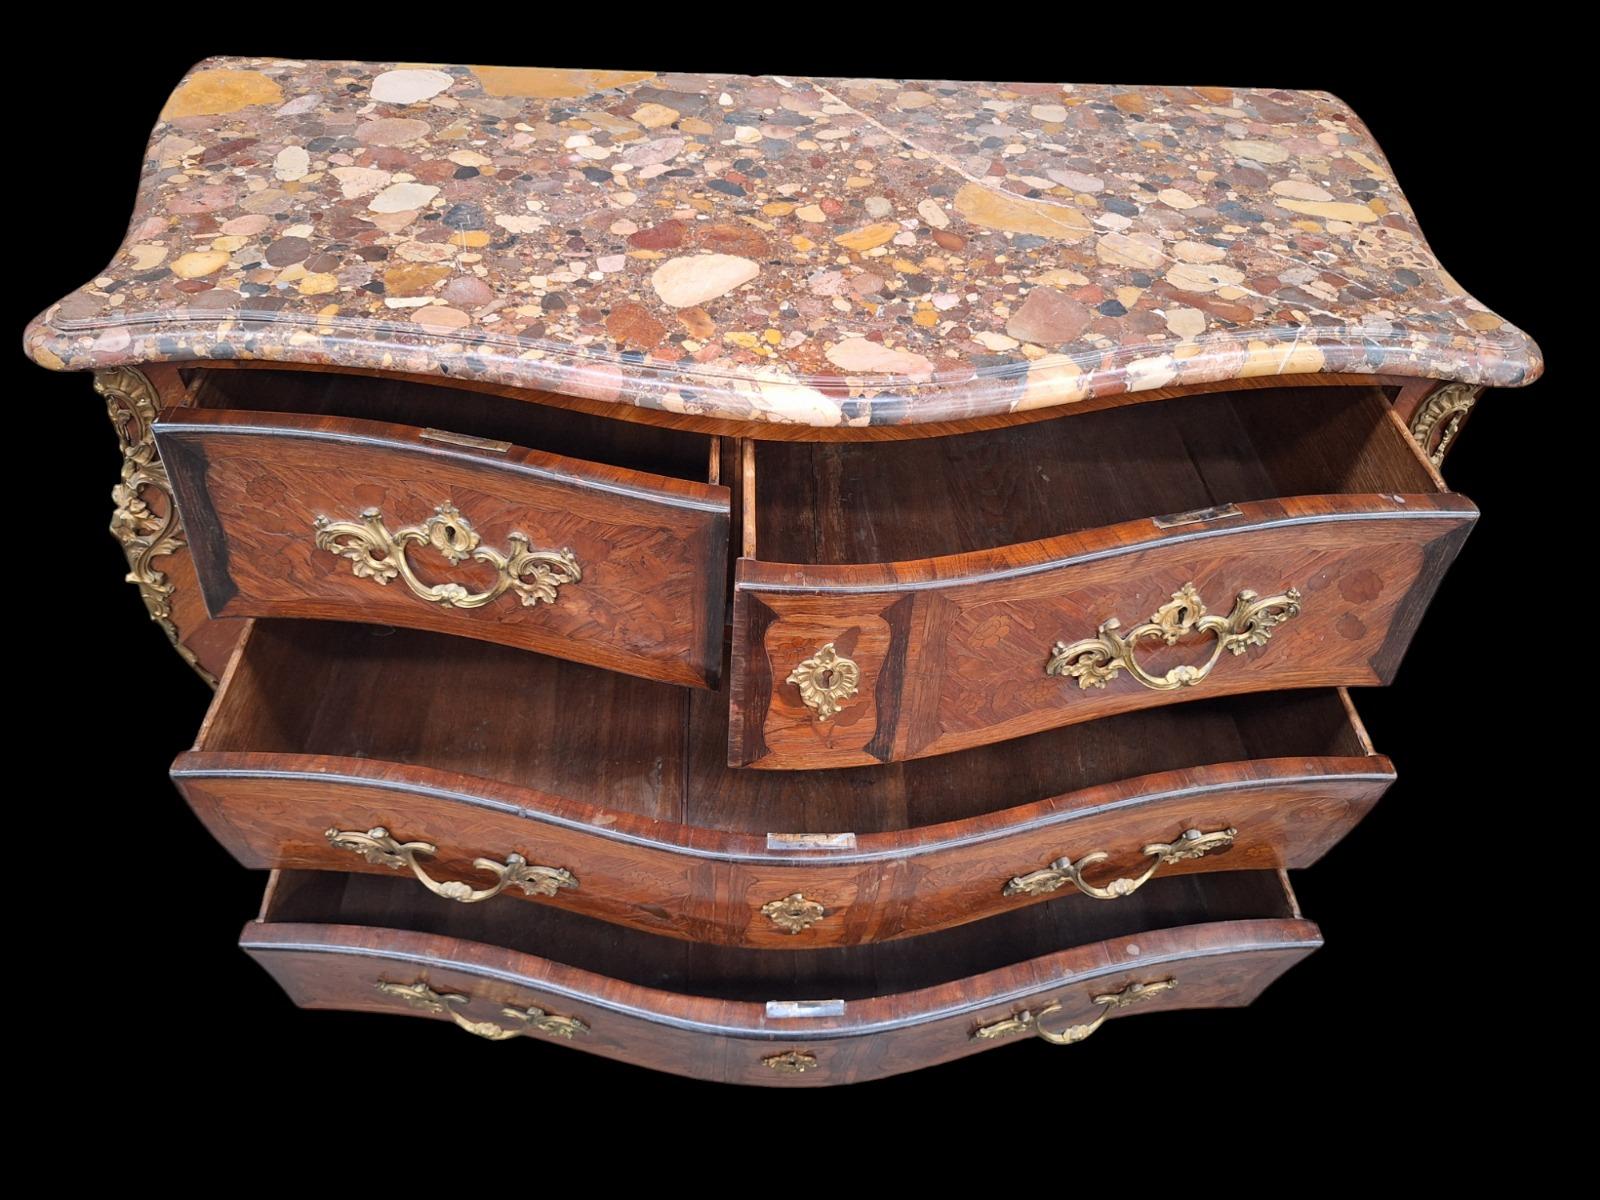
point(721, 972)
point(888, 501)
point(675, 453)
point(602, 738)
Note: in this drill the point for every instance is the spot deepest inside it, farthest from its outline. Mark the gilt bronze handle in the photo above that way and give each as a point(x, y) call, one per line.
point(420, 996)
point(378, 553)
point(378, 847)
point(1191, 843)
point(1096, 661)
point(1033, 1022)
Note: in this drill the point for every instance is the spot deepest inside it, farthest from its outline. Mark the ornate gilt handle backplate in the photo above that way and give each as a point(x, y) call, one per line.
point(1191, 843)
point(381, 849)
point(1096, 661)
point(1034, 1022)
point(378, 553)
point(423, 998)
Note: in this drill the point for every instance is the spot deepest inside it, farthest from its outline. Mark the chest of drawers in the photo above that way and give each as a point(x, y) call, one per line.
point(783, 581)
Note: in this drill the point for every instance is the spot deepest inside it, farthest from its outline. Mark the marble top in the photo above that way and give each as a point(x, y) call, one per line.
point(825, 251)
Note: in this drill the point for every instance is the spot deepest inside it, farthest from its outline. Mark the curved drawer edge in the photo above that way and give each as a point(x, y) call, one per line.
point(1215, 965)
point(1375, 772)
point(1004, 563)
point(526, 461)
point(702, 885)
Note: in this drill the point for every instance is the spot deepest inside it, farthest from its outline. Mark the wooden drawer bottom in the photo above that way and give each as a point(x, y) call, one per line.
point(829, 1016)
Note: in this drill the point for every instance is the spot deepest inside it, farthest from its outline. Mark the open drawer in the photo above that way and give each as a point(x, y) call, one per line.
point(902, 599)
point(821, 1017)
point(380, 499)
point(494, 779)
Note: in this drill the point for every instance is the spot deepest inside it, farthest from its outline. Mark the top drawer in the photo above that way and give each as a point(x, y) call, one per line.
point(317, 511)
point(911, 598)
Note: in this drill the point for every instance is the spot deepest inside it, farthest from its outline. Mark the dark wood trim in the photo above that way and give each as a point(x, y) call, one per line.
point(533, 464)
point(187, 466)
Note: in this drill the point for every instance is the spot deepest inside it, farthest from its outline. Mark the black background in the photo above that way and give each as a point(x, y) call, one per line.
point(1438, 964)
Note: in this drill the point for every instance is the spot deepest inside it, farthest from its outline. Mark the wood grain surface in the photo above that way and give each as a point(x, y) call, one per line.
point(251, 487)
point(947, 570)
point(626, 787)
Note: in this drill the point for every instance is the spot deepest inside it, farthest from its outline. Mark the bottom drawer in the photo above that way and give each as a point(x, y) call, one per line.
point(797, 1018)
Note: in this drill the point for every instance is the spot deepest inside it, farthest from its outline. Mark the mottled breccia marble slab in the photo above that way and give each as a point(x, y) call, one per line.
point(823, 251)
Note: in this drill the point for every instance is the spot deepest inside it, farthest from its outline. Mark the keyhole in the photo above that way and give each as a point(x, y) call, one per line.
point(826, 677)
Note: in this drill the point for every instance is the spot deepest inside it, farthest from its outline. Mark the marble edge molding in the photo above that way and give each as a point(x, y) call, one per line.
point(912, 251)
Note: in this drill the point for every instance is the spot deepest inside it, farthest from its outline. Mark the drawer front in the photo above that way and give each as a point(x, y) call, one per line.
point(473, 841)
point(305, 516)
point(850, 665)
point(502, 995)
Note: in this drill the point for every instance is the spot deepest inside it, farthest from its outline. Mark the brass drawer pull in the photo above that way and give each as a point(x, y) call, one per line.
point(1191, 843)
point(378, 847)
point(1096, 661)
point(377, 553)
point(1109, 1002)
point(420, 996)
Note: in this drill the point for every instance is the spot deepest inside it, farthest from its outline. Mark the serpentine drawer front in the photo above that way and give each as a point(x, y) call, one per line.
point(652, 830)
point(1310, 538)
point(656, 535)
point(362, 943)
point(290, 514)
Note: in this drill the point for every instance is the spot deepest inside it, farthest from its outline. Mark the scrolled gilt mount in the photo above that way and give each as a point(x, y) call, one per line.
point(378, 847)
point(1033, 1022)
point(422, 997)
point(1191, 843)
point(1096, 661)
point(793, 913)
point(146, 531)
point(378, 553)
point(826, 680)
point(1438, 419)
point(791, 1062)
